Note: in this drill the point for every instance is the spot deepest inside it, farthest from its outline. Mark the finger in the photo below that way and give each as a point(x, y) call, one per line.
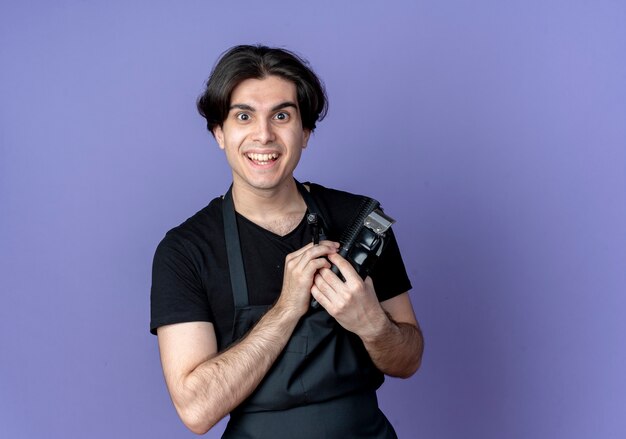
point(317, 251)
point(331, 279)
point(299, 252)
point(323, 246)
point(347, 270)
point(324, 243)
point(316, 264)
point(322, 284)
point(320, 297)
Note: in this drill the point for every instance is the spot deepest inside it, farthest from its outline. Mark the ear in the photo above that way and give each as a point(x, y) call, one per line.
point(306, 134)
point(218, 133)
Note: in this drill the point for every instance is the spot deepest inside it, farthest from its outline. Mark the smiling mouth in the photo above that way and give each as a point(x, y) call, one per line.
point(262, 159)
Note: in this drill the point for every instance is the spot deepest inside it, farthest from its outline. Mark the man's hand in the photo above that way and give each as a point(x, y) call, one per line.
point(389, 330)
point(300, 269)
point(352, 303)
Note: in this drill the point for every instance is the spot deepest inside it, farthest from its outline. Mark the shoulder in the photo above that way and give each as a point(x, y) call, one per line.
point(338, 207)
point(335, 197)
point(196, 231)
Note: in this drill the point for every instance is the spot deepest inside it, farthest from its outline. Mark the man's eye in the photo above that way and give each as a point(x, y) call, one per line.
point(282, 116)
point(243, 116)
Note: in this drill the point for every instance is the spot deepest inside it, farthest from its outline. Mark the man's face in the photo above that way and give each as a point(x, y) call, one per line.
point(262, 135)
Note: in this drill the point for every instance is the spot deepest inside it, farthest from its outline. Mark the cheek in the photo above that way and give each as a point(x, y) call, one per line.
point(297, 139)
point(233, 140)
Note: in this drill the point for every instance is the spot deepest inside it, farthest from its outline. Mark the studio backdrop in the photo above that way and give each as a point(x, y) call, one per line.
point(492, 131)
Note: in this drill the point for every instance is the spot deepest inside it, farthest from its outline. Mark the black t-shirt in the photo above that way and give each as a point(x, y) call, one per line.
point(190, 276)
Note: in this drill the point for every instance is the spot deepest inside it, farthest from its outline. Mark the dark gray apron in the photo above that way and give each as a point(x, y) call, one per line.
point(323, 385)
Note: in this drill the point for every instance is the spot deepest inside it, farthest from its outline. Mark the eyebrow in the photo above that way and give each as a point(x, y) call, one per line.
point(280, 106)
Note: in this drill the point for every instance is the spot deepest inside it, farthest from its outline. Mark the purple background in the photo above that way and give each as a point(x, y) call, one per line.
point(493, 131)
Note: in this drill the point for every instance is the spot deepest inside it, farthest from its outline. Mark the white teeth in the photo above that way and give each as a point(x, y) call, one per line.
point(264, 158)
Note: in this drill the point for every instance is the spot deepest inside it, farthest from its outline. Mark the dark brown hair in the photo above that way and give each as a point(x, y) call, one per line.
point(256, 62)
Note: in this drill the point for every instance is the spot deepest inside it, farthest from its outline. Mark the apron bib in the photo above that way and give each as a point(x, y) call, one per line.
point(323, 384)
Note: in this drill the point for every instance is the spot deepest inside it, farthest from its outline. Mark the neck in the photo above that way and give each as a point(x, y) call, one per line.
point(261, 205)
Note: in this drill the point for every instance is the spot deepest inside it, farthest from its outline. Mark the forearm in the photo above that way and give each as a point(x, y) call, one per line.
point(396, 348)
point(219, 384)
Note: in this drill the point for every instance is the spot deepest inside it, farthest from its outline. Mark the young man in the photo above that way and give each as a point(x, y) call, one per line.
point(233, 285)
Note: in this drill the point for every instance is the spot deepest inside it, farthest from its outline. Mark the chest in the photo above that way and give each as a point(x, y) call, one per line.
point(263, 255)
point(283, 225)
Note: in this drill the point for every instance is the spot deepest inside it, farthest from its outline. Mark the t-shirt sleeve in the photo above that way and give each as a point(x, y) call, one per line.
point(389, 274)
point(176, 295)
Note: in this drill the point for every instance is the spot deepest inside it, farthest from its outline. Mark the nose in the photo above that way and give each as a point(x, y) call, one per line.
point(264, 132)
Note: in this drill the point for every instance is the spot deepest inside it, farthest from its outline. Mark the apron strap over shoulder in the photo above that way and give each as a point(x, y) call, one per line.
point(233, 251)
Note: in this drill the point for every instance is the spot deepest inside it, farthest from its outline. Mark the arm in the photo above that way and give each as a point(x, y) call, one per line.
point(204, 385)
point(398, 347)
point(388, 330)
